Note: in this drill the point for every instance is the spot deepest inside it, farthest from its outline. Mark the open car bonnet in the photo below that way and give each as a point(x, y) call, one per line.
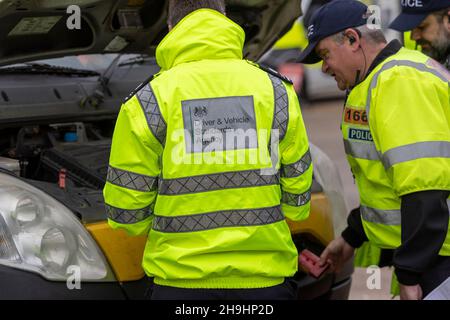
point(40, 29)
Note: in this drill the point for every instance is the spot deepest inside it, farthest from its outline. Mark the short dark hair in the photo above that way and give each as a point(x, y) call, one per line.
point(178, 9)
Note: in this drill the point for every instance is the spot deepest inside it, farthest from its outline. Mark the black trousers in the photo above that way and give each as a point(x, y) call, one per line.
point(285, 291)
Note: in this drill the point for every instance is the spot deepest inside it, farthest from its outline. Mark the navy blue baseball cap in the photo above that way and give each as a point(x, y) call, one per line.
point(415, 11)
point(330, 19)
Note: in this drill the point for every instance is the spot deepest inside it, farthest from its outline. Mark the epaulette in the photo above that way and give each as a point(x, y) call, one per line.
point(139, 87)
point(274, 73)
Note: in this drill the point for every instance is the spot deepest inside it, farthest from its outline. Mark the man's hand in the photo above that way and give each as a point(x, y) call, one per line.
point(336, 254)
point(410, 292)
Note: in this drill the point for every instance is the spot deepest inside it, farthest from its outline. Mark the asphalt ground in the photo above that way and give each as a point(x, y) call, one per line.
point(322, 120)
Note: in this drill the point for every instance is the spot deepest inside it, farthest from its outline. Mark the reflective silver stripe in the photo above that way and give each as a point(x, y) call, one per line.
point(386, 217)
point(448, 205)
point(131, 180)
point(298, 168)
point(296, 200)
point(428, 149)
point(219, 219)
point(125, 216)
point(217, 181)
point(281, 108)
point(152, 112)
point(361, 150)
point(398, 63)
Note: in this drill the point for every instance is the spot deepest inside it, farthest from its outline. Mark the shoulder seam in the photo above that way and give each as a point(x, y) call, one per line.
point(139, 87)
point(272, 72)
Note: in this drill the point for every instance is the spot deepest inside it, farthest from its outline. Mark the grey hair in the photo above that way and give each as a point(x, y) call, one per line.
point(374, 36)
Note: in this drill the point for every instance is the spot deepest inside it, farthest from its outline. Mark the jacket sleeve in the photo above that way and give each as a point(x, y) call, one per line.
point(424, 228)
point(131, 188)
point(354, 233)
point(296, 165)
point(411, 120)
point(412, 130)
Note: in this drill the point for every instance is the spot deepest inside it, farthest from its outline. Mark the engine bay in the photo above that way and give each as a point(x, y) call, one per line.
point(67, 160)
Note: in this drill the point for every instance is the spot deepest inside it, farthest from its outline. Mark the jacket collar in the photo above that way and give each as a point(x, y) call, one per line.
point(203, 34)
point(392, 48)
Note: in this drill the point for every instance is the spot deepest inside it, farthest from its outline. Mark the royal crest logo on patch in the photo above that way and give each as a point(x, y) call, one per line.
point(200, 111)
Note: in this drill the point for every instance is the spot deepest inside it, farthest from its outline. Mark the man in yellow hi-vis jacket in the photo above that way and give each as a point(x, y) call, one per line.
point(396, 130)
point(194, 165)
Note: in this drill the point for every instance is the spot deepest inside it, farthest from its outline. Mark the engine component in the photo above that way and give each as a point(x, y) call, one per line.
point(85, 164)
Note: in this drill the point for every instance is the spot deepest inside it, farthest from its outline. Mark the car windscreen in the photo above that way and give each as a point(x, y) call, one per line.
point(94, 62)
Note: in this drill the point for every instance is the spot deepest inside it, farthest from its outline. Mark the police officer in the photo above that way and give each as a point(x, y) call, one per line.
point(195, 165)
point(396, 130)
point(429, 21)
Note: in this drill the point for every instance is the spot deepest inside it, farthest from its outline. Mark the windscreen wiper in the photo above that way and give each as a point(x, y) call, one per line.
point(43, 68)
point(138, 60)
point(98, 95)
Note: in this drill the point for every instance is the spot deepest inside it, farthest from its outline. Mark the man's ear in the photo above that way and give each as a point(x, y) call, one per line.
point(446, 21)
point(353, 37)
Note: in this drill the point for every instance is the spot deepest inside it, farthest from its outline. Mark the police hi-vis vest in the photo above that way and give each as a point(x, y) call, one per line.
point(213, 204)
point(396, 129)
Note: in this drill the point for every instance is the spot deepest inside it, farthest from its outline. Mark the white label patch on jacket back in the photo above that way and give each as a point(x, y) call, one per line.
point(219, 124)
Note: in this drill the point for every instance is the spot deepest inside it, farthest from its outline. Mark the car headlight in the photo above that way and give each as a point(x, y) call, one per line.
point(39, 234)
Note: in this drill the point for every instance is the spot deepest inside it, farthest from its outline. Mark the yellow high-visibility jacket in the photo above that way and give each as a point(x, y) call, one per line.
point(191, 163)
point(396, 129)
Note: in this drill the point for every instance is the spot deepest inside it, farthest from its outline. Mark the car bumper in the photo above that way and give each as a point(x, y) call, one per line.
point(23, 285)
point(18, 284)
